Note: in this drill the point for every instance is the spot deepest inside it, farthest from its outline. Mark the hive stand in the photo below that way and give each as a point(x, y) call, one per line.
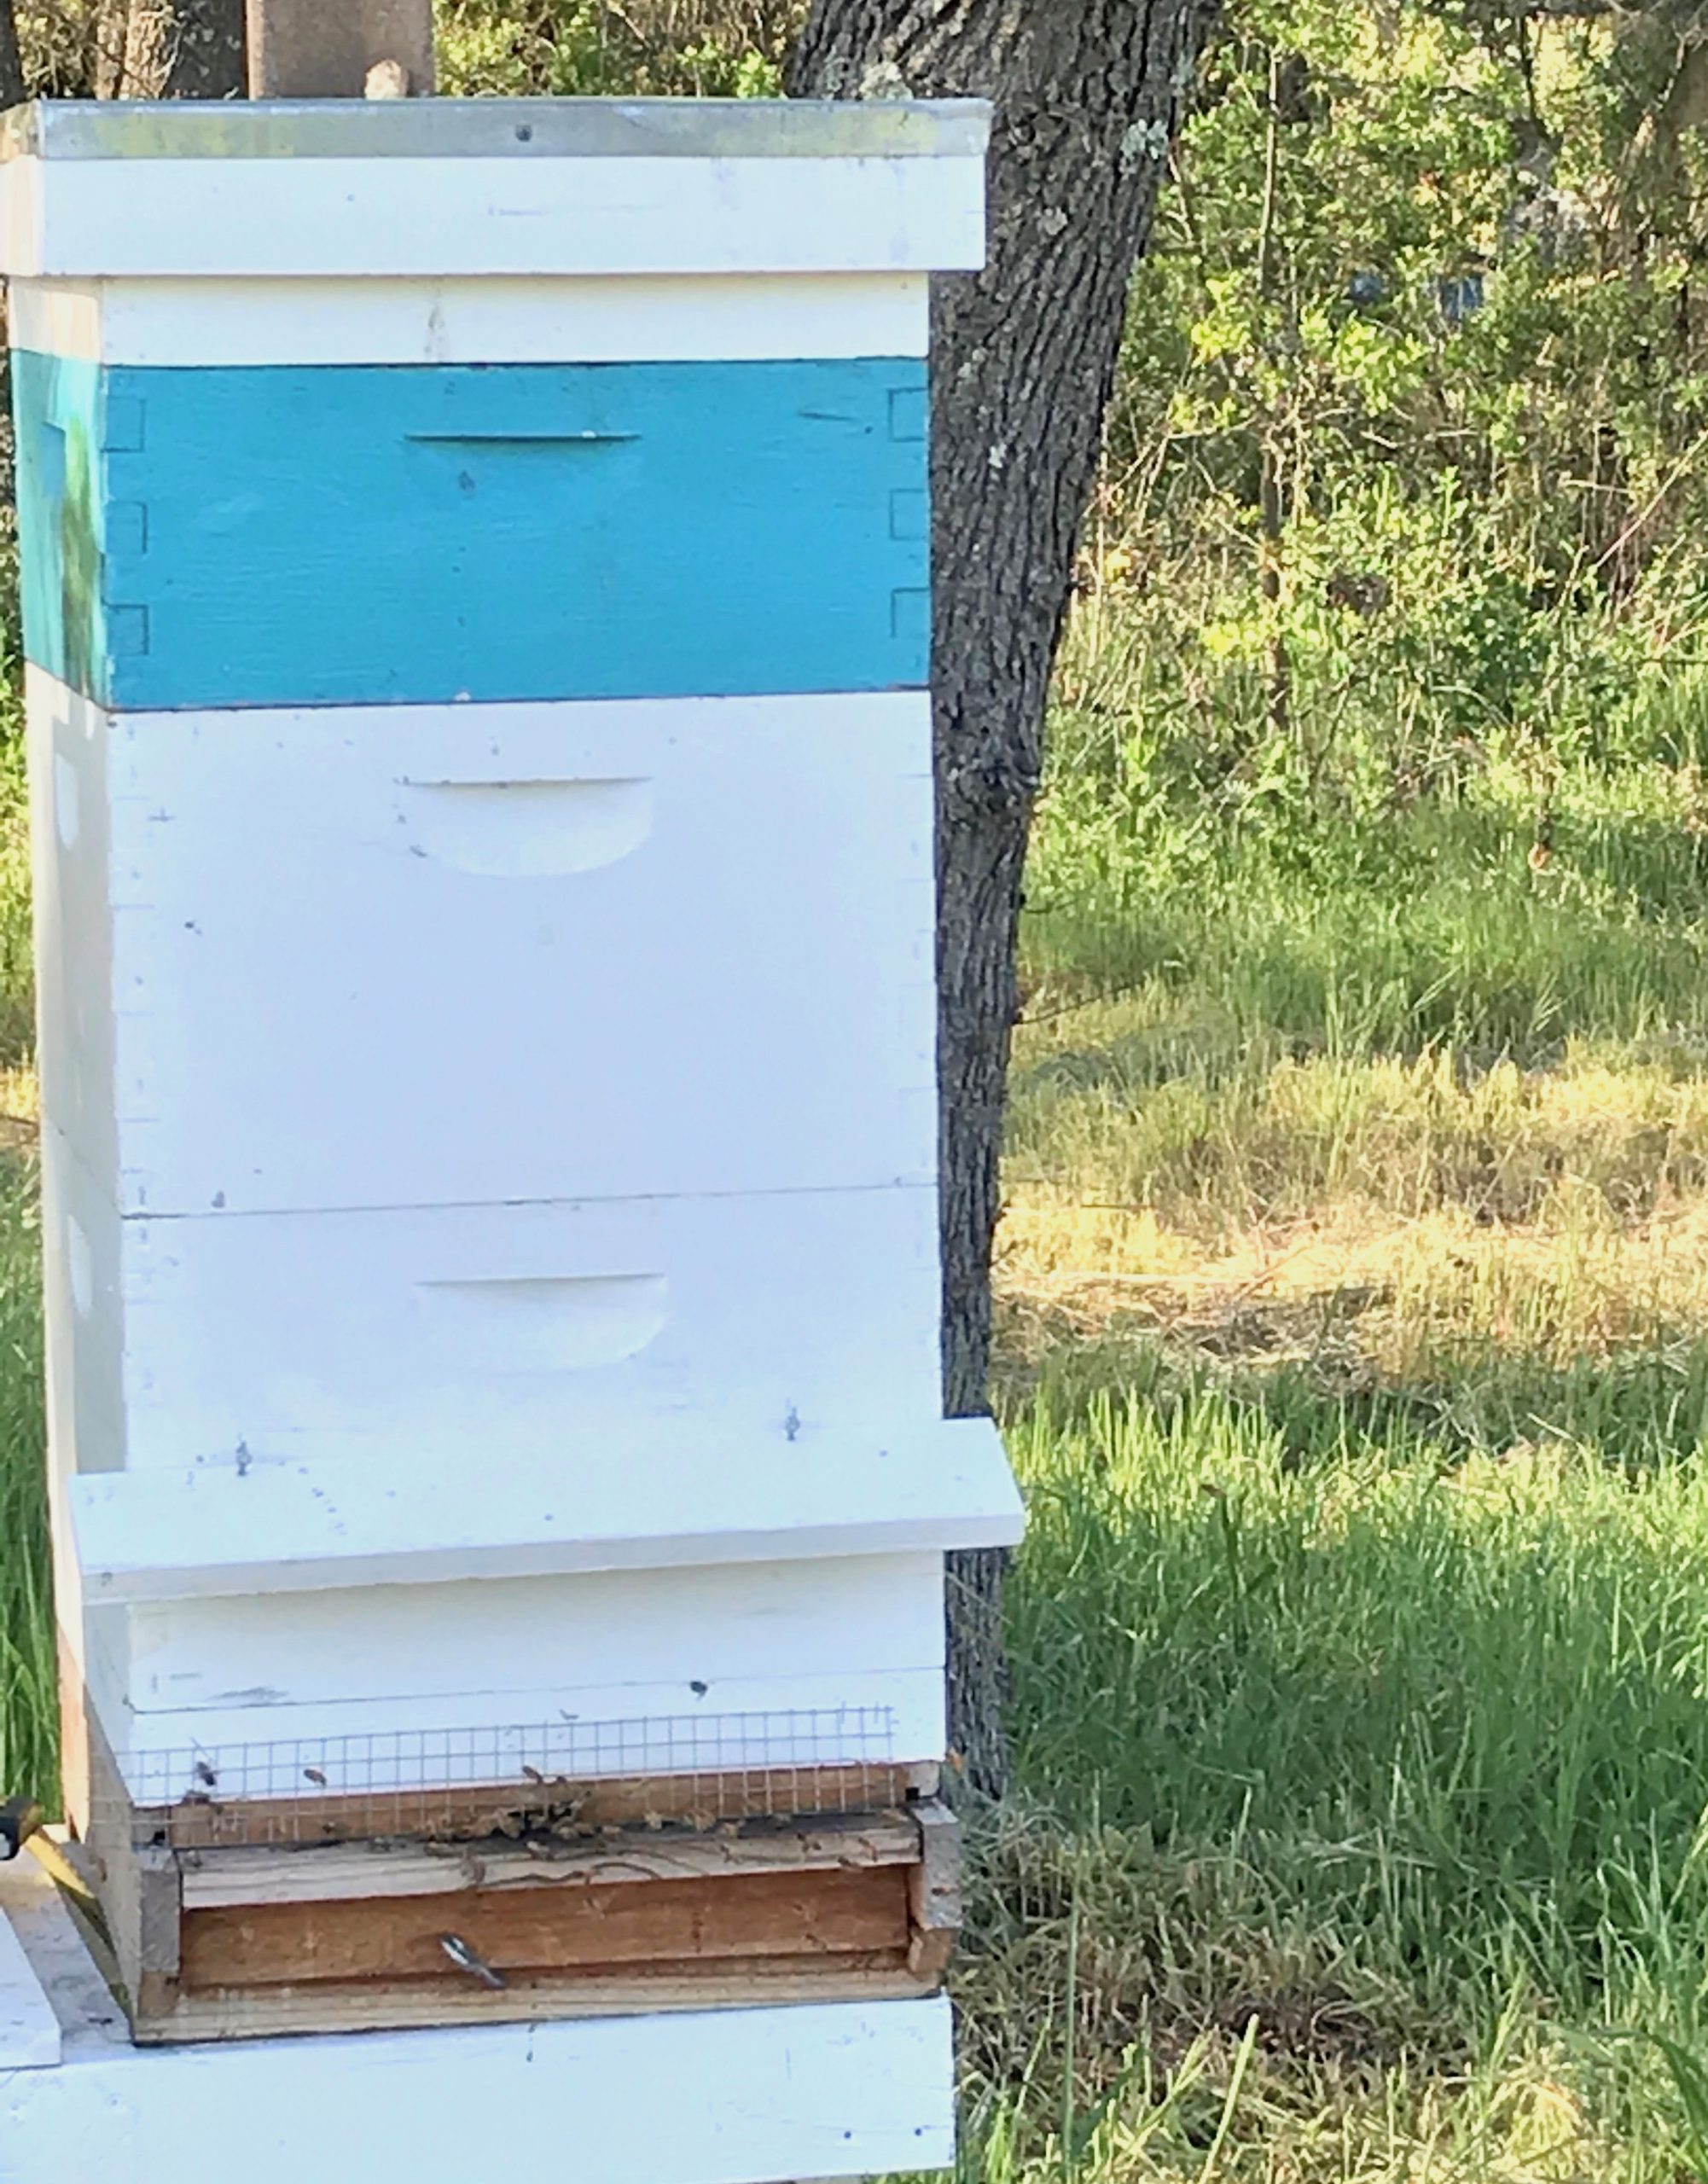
point(731, 2095)
point(474, 564)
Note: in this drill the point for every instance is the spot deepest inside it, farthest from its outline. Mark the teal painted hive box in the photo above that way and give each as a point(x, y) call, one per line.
point(279, 535)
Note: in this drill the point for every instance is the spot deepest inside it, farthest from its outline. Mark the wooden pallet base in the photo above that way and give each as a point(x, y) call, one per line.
point(368, 2005)
point(221, 1941)
point(626, 1931)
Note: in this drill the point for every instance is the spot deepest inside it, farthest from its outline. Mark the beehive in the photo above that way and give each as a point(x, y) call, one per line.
point(476, 599)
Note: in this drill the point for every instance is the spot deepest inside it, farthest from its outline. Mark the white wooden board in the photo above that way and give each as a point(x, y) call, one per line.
point(474, 1339)
point(70, 861)
point(736, 2097)
point(83, 1314)
point(597, 319)
point(29, 2030)
point(407, 956)
point(691, 1652)
point(533, 1642)
point(189, 217)
point(601, 1501)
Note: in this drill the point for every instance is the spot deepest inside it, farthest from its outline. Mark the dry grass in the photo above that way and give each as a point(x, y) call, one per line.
point(1389, 1219)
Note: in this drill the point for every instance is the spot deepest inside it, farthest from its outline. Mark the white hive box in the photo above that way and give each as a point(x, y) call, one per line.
point(477, 608)
point(245, 1047)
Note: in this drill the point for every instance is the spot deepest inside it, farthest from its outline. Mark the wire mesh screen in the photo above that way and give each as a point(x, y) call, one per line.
point(687, 1771)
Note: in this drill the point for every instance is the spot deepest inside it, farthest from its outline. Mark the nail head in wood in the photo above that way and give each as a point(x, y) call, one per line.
point(340, 49)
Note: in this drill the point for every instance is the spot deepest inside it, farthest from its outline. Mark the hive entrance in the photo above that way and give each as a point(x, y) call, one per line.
point(691, 1769)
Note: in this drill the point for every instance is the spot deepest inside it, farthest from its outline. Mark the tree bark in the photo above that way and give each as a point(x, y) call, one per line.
point(1271, 492)
point(12, 89)
point(170, 49)
point(332, 48)
point(1087, 94)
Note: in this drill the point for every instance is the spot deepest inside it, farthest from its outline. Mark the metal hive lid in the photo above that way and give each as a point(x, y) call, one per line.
point(706, 128)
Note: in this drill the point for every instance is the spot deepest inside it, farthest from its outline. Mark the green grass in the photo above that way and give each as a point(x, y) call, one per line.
point(1425, 927)
point(28, 1680)
point(28, 1676)
point(1397, 1754)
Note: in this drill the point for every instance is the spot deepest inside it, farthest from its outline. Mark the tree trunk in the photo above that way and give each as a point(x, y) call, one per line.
point(1271, 495)
point(13, 90)
point(170, 49)
point(336, 49)
point(1086, 96)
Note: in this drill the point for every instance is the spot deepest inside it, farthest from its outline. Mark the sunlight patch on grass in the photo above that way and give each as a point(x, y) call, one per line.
point(1212, 1144)
point(1411, 1298)
point(1521, 1253)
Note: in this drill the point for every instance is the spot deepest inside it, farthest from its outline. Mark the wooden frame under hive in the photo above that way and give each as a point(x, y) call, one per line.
point(529, 1900)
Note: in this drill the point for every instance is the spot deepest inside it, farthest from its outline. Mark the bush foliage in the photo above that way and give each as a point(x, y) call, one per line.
point(1405, 475)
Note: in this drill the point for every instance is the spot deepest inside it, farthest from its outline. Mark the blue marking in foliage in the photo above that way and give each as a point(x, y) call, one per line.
point(1459, 296)
point(359, 534)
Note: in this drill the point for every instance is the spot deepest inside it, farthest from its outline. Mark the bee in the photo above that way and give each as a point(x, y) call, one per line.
point(533, 1773)
point(469, 1961)
point(205, 1774)
point(313, 1774)
point(20, 1819)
